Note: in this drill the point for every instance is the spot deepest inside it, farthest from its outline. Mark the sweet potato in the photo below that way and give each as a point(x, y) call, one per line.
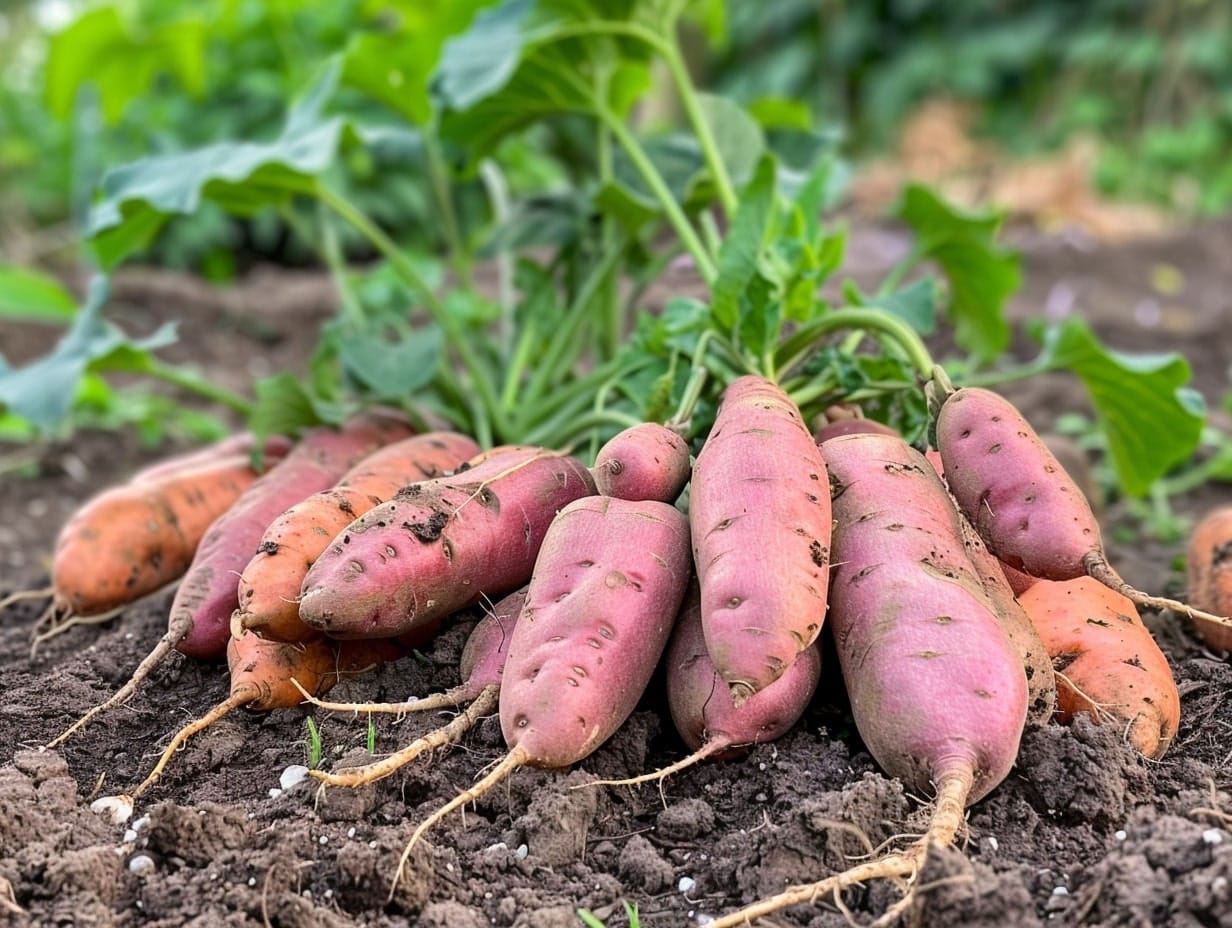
point(439, 545)
point(1024, 504)
point(606, 590)
point(937, 688)
point(1208, 574)
point(481, 667)
point(135, 538)
point(711, 725)
point(269, 585)
point(646, 461)
point(198, 625)
point(1107, 663)
point(759, 510)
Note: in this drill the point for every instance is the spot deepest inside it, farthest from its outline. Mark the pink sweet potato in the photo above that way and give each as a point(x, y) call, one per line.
point(270, 583)
point(606, 590)
point(1026, 507)
point(759, 510)
point(439, 545)
point(646, 461)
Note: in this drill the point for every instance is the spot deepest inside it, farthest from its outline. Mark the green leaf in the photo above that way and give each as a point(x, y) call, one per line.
point(284, 407)
point(737, 135)
point(42, 392)
point(396, 66)
point(480, 62)
point(915, 304)
point(99, 49)
point(1152, 420)
point(242, 177)
point(392, 369)
point(742, 247)
point(982, 277)
point(32, 295)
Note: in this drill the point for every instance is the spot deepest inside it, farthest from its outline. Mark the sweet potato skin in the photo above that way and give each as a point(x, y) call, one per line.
point(605, 593)
point(135, 538)
point(696, 696)
point(646, 461)
point(759, 510)
point(1108, 664)
point(483, 656)
point(441, 544)
point(1208, 574)
point(936, 685)
point(1011, 487)
point(270, 583)
point(209, 593)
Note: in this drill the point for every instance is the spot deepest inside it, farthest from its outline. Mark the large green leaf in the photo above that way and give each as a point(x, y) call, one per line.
point(243, 177)
point(982, 276)
point(396, 65)
point(42, 392)
point(29, 294)
point(737, 135)
point(1152, 420)
point(742, 247)
point(101, 50)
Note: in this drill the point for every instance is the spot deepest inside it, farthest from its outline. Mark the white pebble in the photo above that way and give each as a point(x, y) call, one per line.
point(141, 824)
point(372, 844)
point(993, 843)
point(116, 809)
point(1219, 885)
point(522, 851)
point(351, 832)
point(686, 884)
point(498, 846)
point(1060, 891)
point(130, 836)
point(275, 792)
point(1121, 835)
point(292, 776)
point(140, 863)
point(324, 839)
point(1212, 836)
point(252, 881)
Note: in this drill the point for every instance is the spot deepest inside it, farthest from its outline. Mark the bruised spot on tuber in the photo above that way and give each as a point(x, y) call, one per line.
point(1221, 553)
point(818, 553)
point(489, 500)
point(346, 507)
point(1093, 620)
point(268, 547)
point(1061, 662)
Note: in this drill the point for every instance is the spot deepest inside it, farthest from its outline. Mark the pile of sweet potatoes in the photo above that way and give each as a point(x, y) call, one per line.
point(300, 561)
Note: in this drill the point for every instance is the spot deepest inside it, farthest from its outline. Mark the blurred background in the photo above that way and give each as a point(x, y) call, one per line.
point(1112, 117)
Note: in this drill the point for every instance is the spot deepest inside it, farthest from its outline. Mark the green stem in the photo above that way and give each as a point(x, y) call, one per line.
point(701, 128)
point(882, 324)
point(658, 186)
point(560, 430)
point(193, 384)
point(442, 192)
point(485, 404)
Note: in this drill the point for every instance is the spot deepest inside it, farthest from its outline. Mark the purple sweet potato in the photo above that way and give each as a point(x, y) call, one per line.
point(646, 461)
point(759, 509)
point(441, 544)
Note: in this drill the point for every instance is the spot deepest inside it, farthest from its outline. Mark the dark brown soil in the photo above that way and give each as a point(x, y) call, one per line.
point(1084, 832)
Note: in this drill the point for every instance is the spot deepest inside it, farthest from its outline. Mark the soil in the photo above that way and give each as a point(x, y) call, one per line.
point(1084, 831)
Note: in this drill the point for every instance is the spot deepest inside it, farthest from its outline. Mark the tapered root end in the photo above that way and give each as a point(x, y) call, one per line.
point(709, 749)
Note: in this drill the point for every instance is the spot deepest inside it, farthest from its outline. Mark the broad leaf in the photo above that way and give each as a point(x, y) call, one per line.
point(737, 135)
point(1152, 420)
point(99, 49)
point(243, 177)
point(284, 407)
point(981, 276)
point(42, 392)
point(392, 369)
point(742, 247)
point(29, 294)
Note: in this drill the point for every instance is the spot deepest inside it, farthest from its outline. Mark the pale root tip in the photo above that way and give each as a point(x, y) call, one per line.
point(116, 809)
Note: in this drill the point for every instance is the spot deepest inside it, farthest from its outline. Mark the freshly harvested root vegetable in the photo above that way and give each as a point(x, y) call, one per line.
point(759, 510)
point(1208, 574)
point(270, 584)
point(606, 590)
point(1024, 504)
point(937, 688)
point(646, 461)
point(268, 675)
point(240, 443)
point(439, 545)
point(855, 425)
point(481, 666)
point(199, 622)
point(1036, 659)
point(139, 536)
point(1107, 663)
point(707, 721)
